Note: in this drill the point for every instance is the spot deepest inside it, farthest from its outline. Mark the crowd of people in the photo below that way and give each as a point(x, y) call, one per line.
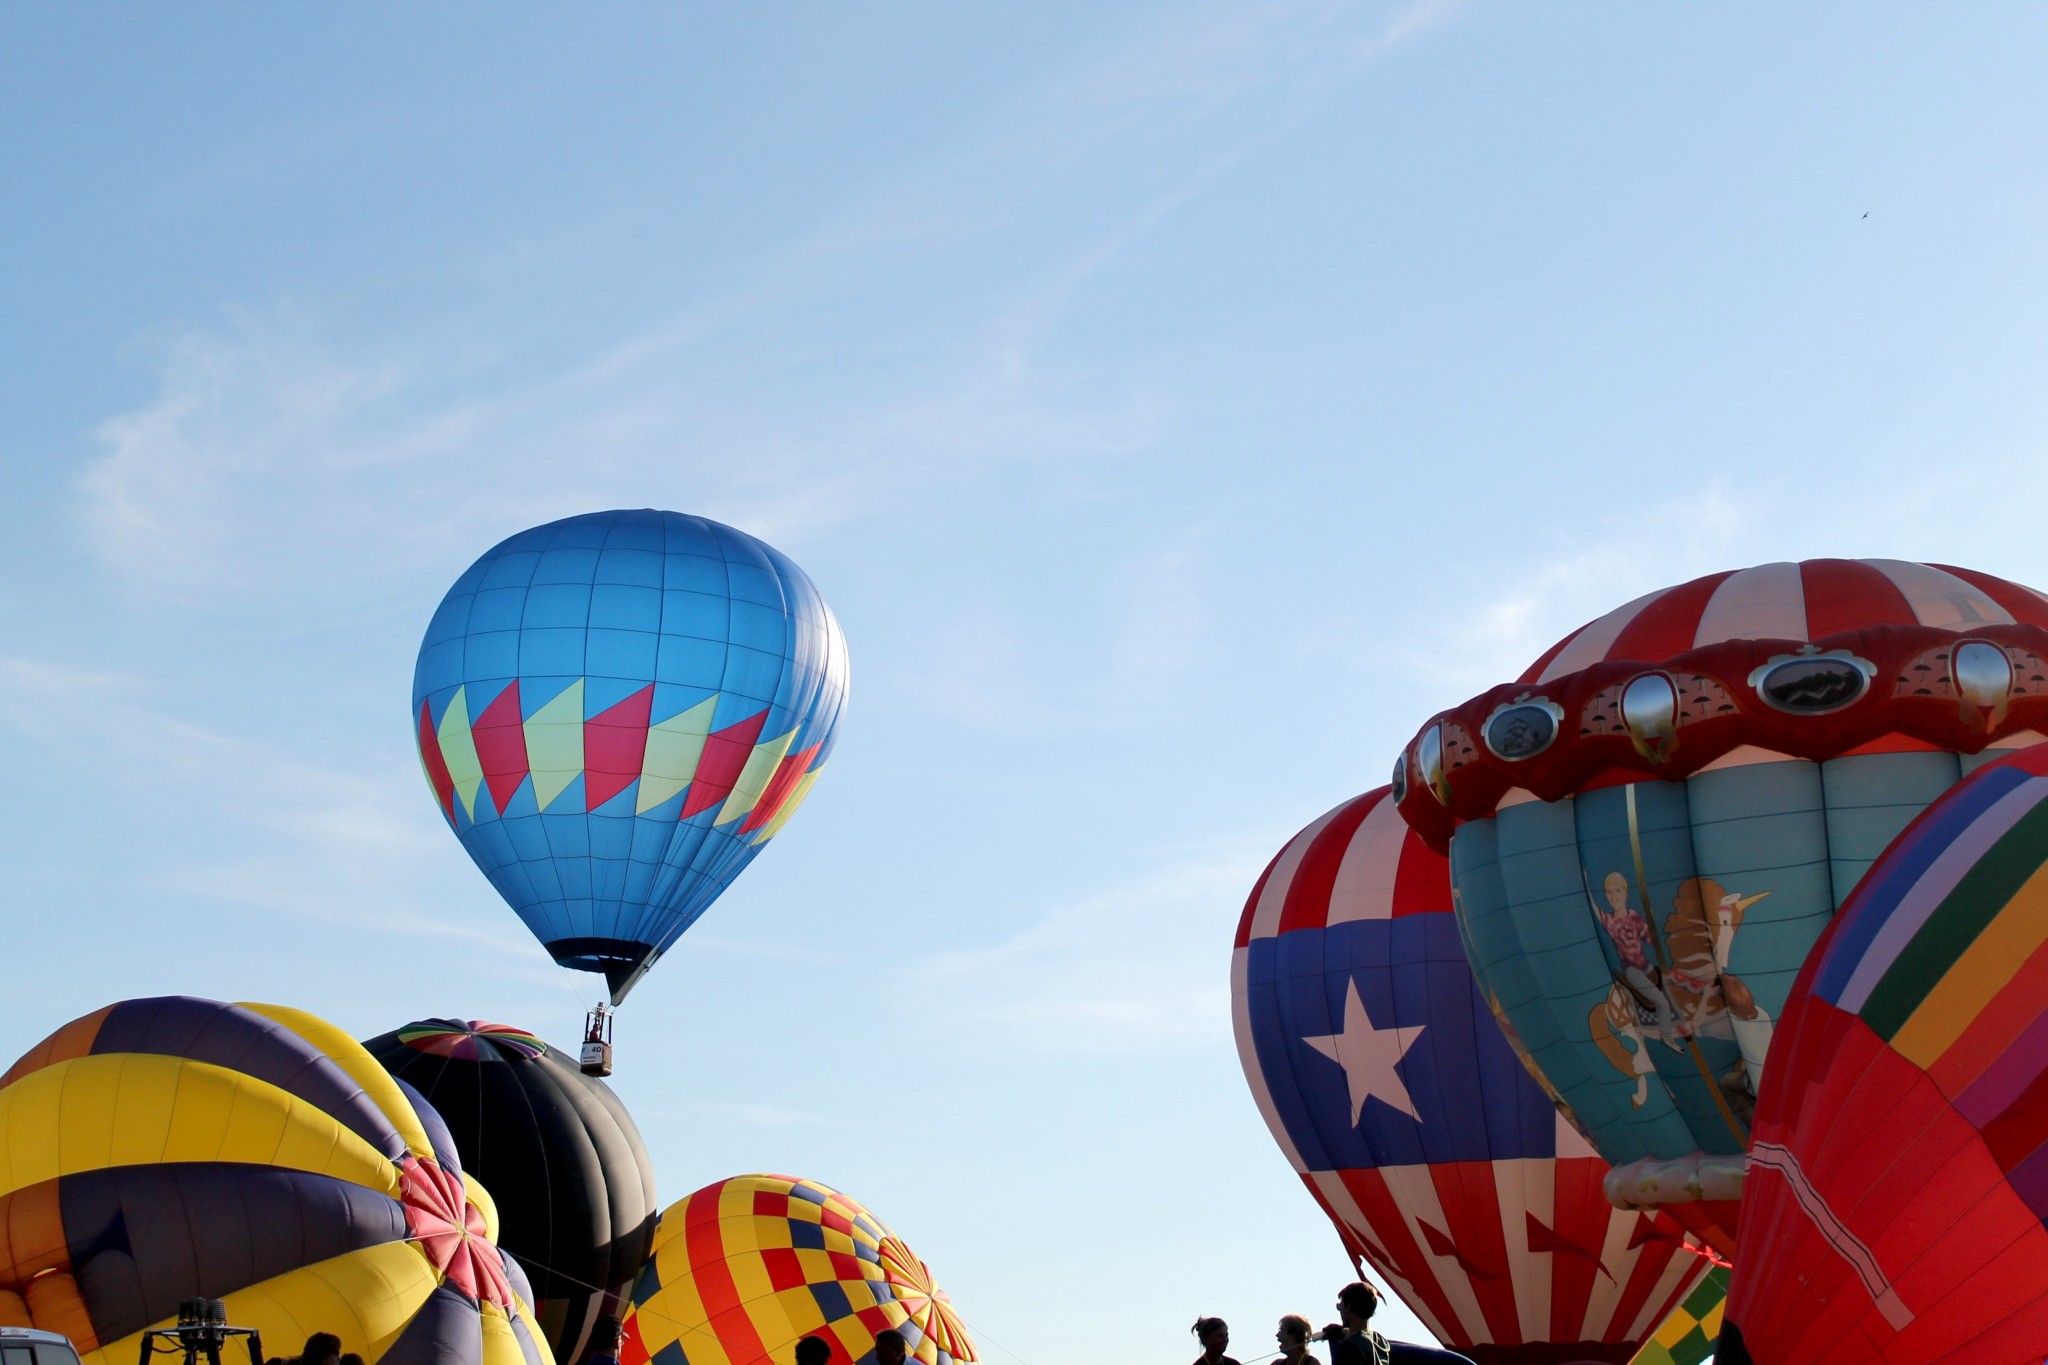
point(891, 1348)
point(606, 1337)
point(1351, 1339)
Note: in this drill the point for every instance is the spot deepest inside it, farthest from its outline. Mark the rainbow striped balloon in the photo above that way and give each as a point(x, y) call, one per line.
point(1897, 1205)
point(745, 1268)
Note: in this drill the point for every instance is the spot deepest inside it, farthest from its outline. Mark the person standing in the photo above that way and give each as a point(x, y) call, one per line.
point(1356, 1343)
point(890, 1347)
point(1214, 1334)
point(1293, 1338)
point(607, 1338)
point(813, 1351)
point(1352, 1339)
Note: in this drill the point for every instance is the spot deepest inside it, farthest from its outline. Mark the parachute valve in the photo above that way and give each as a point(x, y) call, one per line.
point(597, 1042)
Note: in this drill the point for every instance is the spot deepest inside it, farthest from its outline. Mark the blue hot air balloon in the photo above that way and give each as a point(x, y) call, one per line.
point(615, 712)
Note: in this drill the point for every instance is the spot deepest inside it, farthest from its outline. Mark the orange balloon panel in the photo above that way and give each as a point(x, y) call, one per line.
point(745, 1268)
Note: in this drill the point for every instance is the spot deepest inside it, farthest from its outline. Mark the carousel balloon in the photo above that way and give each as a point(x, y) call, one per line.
point(1377, 1063)
point(171, 1148)
point(574, 1187)
point(615, 712)
point(1897, 1207)
point(1650, 828)
point(745, 1268)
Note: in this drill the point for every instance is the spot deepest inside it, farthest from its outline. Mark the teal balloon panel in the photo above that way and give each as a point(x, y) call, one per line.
point(1642, 938)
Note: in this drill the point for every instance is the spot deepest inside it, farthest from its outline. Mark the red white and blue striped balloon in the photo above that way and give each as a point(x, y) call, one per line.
point(1386, 1079)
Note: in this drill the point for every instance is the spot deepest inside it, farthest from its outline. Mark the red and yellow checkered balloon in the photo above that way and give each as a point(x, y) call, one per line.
point(745, 1268)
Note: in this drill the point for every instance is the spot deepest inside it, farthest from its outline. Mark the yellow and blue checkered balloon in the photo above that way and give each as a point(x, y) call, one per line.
point(1687, 1336)
point(745, 1268)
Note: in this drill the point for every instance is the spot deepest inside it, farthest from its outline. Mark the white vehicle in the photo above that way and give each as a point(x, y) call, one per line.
point(29, 1346)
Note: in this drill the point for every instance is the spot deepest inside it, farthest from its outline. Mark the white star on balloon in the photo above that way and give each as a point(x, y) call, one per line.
point(1368, 1056)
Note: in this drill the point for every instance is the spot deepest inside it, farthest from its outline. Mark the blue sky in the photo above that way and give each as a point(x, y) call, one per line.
point(1177, 403)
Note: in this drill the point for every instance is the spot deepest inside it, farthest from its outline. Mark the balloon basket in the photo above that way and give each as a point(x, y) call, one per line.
point(596, 1058)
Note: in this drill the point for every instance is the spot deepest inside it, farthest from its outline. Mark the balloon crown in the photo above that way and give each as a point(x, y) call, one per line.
point(1813, 660)
point(477, 1040)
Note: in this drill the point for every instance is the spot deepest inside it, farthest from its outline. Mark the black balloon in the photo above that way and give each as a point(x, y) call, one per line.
point(557, 1151)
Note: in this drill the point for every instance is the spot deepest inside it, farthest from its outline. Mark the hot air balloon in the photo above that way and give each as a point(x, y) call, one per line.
point(615, 712)
point(1687, 1336)
point(745, 1268)
point(171, 1148)
point(1379, 1068)
point(574, 1187)
point(1898, 1183)
point(1650, 828)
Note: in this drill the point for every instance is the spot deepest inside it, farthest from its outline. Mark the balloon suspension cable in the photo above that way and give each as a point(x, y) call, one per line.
point(567, 980)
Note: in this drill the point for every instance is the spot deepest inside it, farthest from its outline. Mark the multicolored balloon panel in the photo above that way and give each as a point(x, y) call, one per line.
point(745, 1268)
point(574, 1186)
point(170, 1148)
point(1898, 1198)
point(1687, 1336)
point(1380, 1069)
point(1649, 829)
point(615, 712)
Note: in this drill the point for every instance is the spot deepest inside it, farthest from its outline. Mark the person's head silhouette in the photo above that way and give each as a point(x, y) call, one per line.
point(1356, 1303)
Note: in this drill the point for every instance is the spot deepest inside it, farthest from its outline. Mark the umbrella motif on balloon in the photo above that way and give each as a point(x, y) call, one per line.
point(615, 712)
point(1650, 828)
point(1377, 1063)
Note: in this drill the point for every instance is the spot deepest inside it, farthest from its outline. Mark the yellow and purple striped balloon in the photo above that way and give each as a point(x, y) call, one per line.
point(172, 1148)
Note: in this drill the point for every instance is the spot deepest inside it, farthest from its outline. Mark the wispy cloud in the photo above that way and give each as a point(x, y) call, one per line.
point(265, 461)
point(991, 667)
point(277, 460)
point(97, 719)
point(760, 1115)
point(1623, 555)
point(1160, 615)
point(1131, 967)
point(277, 831)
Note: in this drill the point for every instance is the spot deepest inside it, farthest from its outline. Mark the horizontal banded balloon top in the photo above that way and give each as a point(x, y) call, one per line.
point(615, 712)
point(1652, 825)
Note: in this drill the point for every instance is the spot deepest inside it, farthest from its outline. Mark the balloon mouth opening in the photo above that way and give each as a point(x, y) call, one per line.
point(621, 962)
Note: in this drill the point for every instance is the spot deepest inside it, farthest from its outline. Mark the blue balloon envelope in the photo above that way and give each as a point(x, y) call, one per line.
point(615, 712)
